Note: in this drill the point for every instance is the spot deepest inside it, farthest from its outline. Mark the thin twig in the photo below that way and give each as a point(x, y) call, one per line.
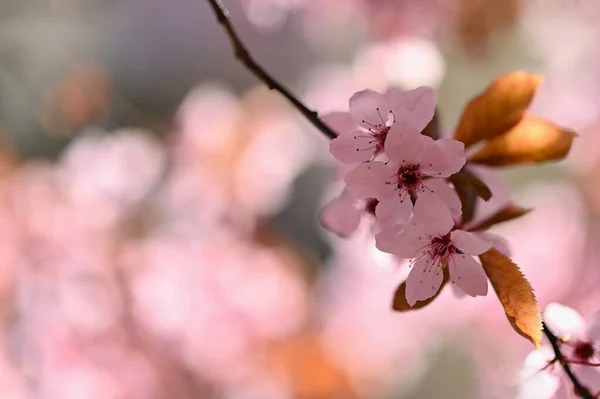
point(580, 389)
point(242, 54)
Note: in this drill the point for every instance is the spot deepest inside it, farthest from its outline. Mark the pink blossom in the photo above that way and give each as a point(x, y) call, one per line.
point(343, 214)
point(579, 344)
point(433, 245)
point(373, 116)
point(418, 166)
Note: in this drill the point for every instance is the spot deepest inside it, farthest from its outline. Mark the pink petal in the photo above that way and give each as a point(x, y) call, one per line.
point(424, 280)
point(564, 321)
point(408, 243)
point(386, 239)
point(368, 108)
point(441, 189)
point(393, 210)
point(589, 377)
point(593, 330)
point(498, 242)
point(404, 144)
point(469, 243)
point(432, 215)
point(415, 106)
point(537, 383)
point(340, 122)
point(352, 147)
point(468, 275)
point(454, 153)
point(433, 160)
point(369, 180)
point(340, 216)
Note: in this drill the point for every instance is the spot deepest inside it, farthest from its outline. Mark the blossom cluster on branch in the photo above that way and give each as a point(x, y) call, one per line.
point(423, 190)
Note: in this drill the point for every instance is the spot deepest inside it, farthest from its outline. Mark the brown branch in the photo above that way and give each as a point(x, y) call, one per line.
point(242, 54)
point(580, 389)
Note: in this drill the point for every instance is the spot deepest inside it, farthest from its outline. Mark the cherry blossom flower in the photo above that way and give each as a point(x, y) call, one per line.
point(580, 346)
point(418, 166)
point(343, 214)
point(433, 245)
point(373, 116)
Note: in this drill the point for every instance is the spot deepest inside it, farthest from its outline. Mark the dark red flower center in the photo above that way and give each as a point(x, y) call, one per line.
point(584, 350)
point(378, 130)
point(410, 177)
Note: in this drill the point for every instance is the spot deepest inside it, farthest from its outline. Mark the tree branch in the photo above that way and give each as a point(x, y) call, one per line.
point(580, 389)
point(242, 54)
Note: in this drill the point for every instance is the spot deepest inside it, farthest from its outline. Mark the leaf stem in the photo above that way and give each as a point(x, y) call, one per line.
point(580, 389)
point(243, 55)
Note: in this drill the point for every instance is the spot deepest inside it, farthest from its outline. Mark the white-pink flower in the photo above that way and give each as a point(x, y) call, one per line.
point(433, 245)
point(580, 346)
point(372, 118)
point(418, 166)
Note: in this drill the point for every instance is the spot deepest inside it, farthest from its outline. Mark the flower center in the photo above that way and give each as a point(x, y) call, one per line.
point(379, 129)
point(583, 350)
point(410, 177)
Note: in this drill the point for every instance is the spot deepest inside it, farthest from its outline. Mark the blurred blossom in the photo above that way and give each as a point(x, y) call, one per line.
point(270, 14)
point(249, 151)
point(106, 175)
point(579, 344)
point(413, 62)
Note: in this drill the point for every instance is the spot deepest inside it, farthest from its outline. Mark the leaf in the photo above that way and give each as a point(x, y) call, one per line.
point(498, 108)
point(467, 196)
point(468, 187)
point(515, 294)
point(399, 303)
point(534, 139)
point(510, 212)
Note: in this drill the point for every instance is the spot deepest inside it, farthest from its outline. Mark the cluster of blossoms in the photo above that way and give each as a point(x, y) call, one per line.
point(579, 344)
point(402, 177)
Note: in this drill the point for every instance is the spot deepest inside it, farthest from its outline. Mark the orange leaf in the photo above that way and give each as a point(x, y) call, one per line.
point(534, 139)
point(399, 303)
point(497, 109)
point(505, 214)
point(515, 294)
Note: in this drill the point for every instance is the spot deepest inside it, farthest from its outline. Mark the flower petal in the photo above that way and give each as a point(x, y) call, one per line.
point(369, 108)
point(468, 275)
point(424, 280)
point(353, 147)
point(446, 194)
point(393, 210)
point(370, 179)
point(432, 215)
point(408, 243)
point(433, 160)
point(589, 377)
point(454, 153)
point(564, 321)
point(415, 106)
point(498, 242)
point(340, 122)
point(340, 216)
point(538, 380)
point(404, 144)
point(469, 243)
point(593, 330)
